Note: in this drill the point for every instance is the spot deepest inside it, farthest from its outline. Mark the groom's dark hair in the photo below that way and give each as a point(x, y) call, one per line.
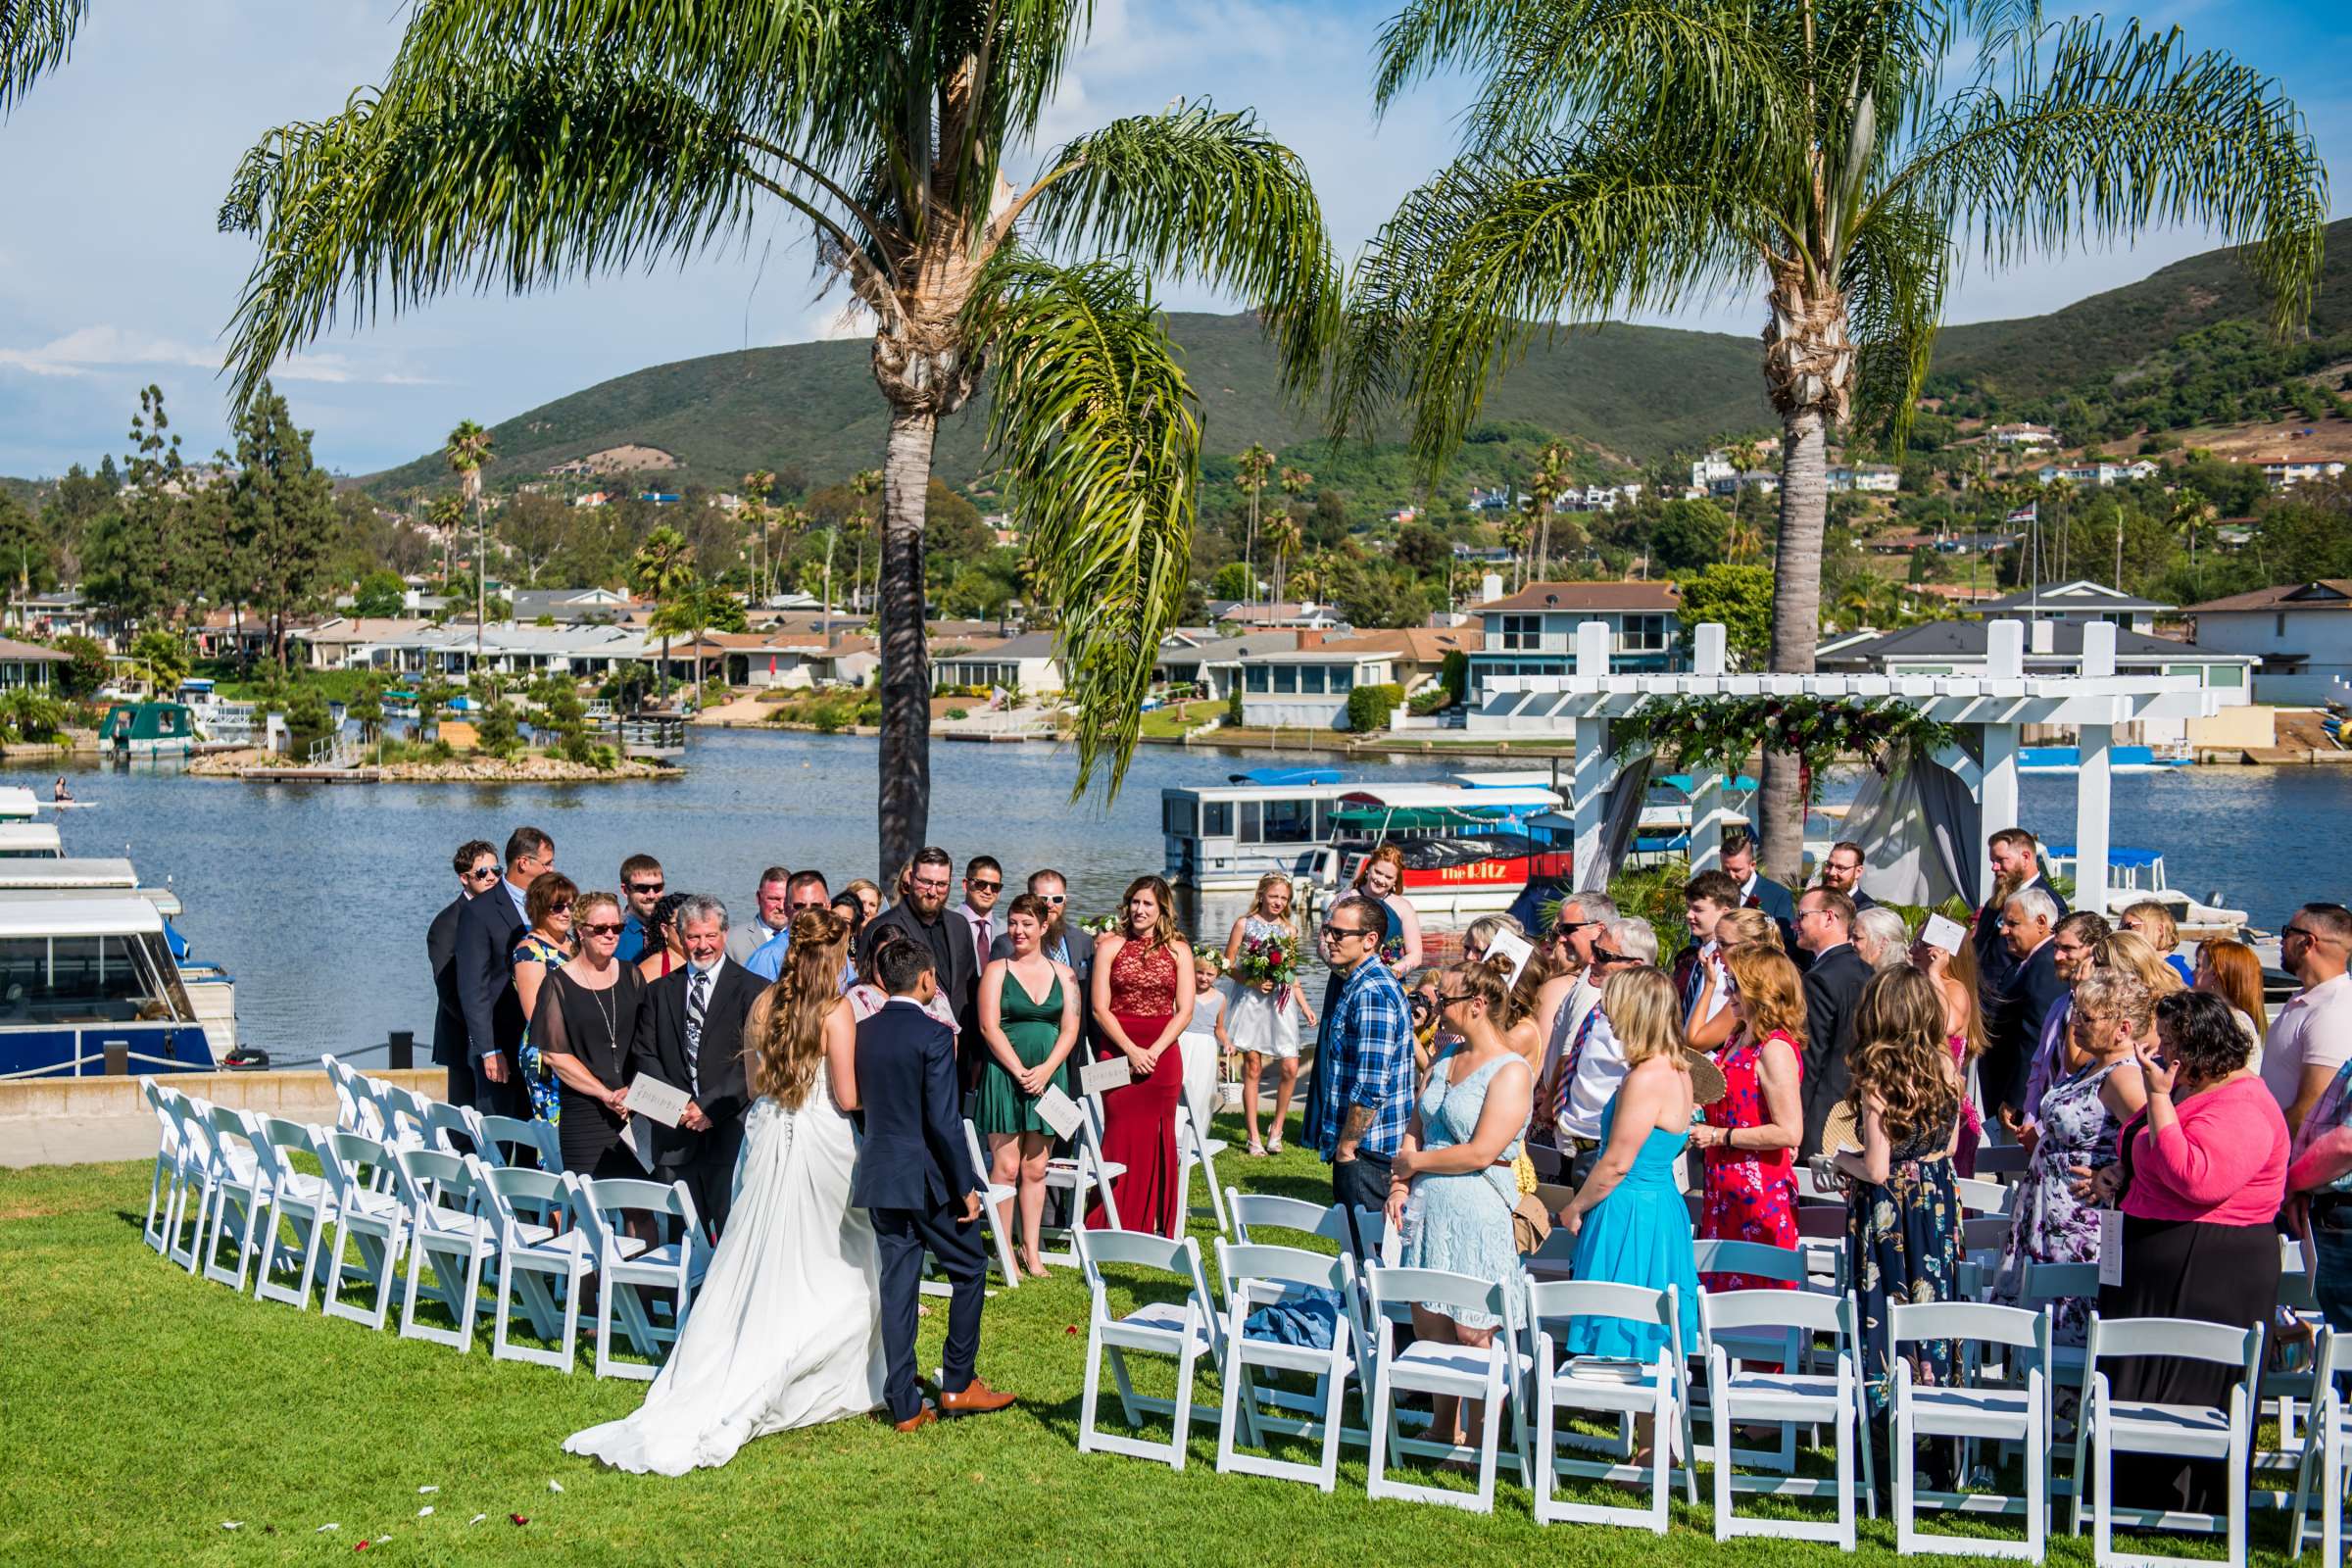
point(903, 965)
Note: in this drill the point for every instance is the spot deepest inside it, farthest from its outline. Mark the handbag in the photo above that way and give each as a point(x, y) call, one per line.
point(1531, 1223)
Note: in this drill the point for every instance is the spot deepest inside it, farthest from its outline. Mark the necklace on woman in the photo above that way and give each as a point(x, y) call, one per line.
point(607, 1007)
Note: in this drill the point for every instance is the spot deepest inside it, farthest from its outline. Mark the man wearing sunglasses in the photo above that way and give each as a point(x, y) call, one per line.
point(1594, 1063)
point(1576, 931)
point(476, 866)
point(1063, 941)
point(2312, 1035)
point(983, 883)
point(488, 927)
point(804, 890)
point(642, 885)
point(1363, 1086)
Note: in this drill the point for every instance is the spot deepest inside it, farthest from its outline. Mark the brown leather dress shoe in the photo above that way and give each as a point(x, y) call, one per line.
point(917, 1421)
point(974, 1398)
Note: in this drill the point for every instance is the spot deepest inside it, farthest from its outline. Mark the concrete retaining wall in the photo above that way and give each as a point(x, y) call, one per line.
point(73, 1121)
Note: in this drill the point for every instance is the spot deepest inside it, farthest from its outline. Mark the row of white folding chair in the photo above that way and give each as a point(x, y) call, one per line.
point(1196, 1145)
point(2324, 1469)
point(1970, 1410)
point(1624, 1390)
point(2110, 1426)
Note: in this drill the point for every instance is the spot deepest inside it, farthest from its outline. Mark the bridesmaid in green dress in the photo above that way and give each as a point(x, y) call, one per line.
point(1029, 1021)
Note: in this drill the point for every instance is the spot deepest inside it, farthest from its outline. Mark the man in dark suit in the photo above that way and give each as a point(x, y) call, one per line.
point(1760, 891)
point(1841, 872)
point(914, 1179)
point(1825, 924)
point(476, 866)
point(2029, 930)
point(2016, 856)
point(488, 927)
point(690, 1036)
point(924, 916)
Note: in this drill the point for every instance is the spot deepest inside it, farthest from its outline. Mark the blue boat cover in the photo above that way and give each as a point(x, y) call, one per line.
point(1683, 781)
point(2115, 856)
point(179, 943)
point(1286, 776)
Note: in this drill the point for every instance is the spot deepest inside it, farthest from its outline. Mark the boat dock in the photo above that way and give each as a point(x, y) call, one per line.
point(312, 775)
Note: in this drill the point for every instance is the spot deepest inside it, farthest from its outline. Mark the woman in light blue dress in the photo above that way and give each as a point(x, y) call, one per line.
point(1450, 1186)
point(1630, 1224)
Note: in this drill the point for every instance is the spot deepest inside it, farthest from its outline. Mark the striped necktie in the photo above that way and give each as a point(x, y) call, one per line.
point(1696, 980)
point(1576, 1055)
point(698, 988)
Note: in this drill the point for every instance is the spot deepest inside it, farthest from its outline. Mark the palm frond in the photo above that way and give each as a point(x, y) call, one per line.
point(532, 169)
point(1191, 192)
point(1098, 436)
point(1498, 249)
point(2095, 138)
point(36, 35)
point(1894, 277)
point(1431, 34)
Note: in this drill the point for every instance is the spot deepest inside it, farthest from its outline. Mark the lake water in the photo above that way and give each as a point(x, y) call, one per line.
point(316, 897)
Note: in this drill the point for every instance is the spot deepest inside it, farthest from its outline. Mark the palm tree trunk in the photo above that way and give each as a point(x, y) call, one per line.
point(1796, 627)
point(904, 815)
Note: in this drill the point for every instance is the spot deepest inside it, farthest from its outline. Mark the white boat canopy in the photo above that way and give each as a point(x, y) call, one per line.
point(64, 873)
point(1405, 797)
point(16, 804)
point(127, 915)
point(1994, 706)
point(31, 838)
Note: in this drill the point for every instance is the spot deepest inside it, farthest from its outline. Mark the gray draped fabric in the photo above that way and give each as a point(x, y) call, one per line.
point(1617, 828)
point(1919, 830)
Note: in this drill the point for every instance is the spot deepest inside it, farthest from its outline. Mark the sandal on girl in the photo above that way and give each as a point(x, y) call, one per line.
point(1257, 1150)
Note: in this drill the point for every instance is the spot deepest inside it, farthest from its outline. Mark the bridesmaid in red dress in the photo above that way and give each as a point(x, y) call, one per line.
point(1143, 999)
point(1749, 1139)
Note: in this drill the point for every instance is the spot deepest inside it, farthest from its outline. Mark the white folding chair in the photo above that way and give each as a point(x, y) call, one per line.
point(996, 1207)
point(535, 1261)
point(299, 1205)
point(1609, 1387)
point(1784, 1343)
point(1489, 1376)
point(1971, 1412)
point(347, 1100)
point(162, 1189)
point(2326, 1457)
point(1275, 1212)
point(2001, 1160)
point(240, 1188)
point(1195, 1146)
point(369, 1114)
point(1183, 1331)
point(1257, 1272)
point(1980, 1197)
point(2046, 1286)
point(191, 1197)
point(2112, 1426)
point(512, 1141)
point(452, 1129)
point(637, 1275)
point(1821, 1238)
point(1083, 1174)
point(1785, 1398)
point(370, 1219)
point(406, 1113)
point(448, 1235)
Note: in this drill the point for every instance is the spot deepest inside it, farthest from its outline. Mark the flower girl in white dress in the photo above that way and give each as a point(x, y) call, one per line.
point(1266, 1015)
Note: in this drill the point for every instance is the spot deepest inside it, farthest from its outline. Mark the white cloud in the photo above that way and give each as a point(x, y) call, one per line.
point(828, 323)
point(87, 348)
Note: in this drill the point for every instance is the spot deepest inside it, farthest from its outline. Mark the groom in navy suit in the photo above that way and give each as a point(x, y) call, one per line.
point(914, 1179)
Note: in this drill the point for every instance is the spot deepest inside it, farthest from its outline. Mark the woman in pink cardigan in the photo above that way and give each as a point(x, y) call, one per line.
point(2203, 1173)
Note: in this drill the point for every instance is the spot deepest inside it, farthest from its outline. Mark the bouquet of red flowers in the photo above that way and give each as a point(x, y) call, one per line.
point(1267, 955)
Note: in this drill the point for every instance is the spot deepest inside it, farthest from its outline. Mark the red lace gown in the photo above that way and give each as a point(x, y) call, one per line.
point(1750, 1195)
point(1139, 1118)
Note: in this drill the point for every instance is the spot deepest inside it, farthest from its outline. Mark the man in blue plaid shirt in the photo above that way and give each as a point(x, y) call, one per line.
point(1363, 1060)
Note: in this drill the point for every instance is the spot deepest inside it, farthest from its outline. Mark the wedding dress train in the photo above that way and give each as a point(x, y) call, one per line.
point(786, 1330)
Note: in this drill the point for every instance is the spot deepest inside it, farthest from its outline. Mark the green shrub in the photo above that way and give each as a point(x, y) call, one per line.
point(1369, 706)
point(960, 713)
point(497, 730)
point(1233, 705)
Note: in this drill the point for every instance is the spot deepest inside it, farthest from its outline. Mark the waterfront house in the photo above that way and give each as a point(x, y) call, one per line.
point(2299, 633)
point(2077, 600)
point(1416, 654)
point(60, 614)
point(24, 665)
point(1533, 632)
point(332, 643)
point(507, 648)
point(1026, 662)
point(1307, 686)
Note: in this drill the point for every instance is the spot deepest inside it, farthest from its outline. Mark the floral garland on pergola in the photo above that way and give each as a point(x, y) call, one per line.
point(1718, 734)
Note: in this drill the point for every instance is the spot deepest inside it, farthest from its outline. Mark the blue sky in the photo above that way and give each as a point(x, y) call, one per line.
point(112, 276)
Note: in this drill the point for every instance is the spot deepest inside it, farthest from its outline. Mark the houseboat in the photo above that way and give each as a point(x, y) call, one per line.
point(25, 877)
point(31, 840)
point(1221, 838)
point(2134, 876)
point(79, 977)
point(18, 803)
point(149, 729)
point(2120, 759)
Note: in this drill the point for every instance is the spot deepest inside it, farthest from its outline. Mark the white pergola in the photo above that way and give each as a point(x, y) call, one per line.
point(1996, 704)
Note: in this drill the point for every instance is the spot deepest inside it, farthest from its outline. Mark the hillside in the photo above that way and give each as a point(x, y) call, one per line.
point(2109, 333)
point(1635, 390)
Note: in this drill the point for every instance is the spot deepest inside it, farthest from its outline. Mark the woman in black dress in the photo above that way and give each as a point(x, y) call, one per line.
point(584, 1023)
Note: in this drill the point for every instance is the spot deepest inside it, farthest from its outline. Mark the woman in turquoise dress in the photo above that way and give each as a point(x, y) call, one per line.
point(543, 948)
point(1450, 1186)
point(1029, 1022)
point(1629, 1219)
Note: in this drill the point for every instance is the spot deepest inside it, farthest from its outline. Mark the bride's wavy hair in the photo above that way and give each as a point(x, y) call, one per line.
point(785, 1033)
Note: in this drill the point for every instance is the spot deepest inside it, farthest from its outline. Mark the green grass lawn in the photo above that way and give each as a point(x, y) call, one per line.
point(143, 1408)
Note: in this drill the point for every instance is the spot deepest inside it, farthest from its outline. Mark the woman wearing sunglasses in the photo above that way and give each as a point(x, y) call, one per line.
point(543, 947)
point(584, 1025)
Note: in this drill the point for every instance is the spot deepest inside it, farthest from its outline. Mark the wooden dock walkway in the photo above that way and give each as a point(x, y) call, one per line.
point(312, 775)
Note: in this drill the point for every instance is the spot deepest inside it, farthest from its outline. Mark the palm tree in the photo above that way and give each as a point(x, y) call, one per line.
point(35, 36)
point(662, 569)
point(468, 449)
point(758, 488)
point(523, 144)
point(1545, 487)
point(445, 512)
point(2193, 513)
point(1283, 538)
point(864, 485)
point(1516, 529)
point(1625, 157)
point(1252, 466)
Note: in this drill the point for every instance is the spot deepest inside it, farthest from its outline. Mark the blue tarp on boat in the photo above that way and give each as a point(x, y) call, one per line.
point(1284, 777)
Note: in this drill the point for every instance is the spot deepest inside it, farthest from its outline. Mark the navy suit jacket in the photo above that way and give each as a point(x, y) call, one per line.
point(1995, 969)
point(913, 1154)
point(1833, 991)
point(488, 927)
point(441, 950)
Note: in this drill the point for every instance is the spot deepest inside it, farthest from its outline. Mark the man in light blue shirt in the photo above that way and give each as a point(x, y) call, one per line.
point(807, 891)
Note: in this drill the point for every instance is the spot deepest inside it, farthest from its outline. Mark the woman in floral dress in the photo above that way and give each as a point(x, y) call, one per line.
point(544, 948)
point(1748, 1141)
point(2081, 1116)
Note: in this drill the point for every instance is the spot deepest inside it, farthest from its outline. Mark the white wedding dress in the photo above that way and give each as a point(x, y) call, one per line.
point(786, 1331)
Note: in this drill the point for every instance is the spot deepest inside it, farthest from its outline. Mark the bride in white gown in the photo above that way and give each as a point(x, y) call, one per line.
point(786, 1330)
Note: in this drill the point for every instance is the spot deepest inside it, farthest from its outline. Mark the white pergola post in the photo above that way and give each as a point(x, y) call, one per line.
point(1595, 769)
point(2093, 784)
point(1707, 813)
point(2005, 662)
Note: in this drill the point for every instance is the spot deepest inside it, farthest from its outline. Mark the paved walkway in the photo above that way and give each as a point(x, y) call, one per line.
point(75, 1140)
